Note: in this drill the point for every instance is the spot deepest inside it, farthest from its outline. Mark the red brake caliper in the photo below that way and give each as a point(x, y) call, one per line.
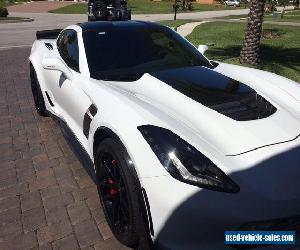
point(113, 191)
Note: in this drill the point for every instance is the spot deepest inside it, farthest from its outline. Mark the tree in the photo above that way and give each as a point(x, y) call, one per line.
point(186, 5)
point(175, 7)
point(251, 46)
point(296, 4)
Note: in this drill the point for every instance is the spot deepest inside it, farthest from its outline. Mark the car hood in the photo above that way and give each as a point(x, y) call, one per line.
point(232, 114)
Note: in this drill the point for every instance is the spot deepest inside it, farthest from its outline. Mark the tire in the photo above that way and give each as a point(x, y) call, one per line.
point(38, 98)
point(100, 11)
point(120, 194)
point(129, 16)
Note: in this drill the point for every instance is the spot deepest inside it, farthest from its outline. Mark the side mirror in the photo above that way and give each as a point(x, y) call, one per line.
point(202, 48)
point(54, 63)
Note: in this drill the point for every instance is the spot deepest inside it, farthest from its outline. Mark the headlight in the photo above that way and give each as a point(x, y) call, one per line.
point(184, 162)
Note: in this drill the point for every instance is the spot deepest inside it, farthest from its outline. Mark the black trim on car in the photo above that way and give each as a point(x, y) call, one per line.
point(148, 211)
point(89, 115)
point(49, 99)
point(48, 34)
point(86, 124)
point(268, 145)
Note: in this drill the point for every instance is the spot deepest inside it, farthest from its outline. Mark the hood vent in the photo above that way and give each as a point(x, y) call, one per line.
point(218, 92)
point(244, 108)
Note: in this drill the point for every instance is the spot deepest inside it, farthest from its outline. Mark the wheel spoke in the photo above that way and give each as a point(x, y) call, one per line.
point(106, 168)
point(113, 192)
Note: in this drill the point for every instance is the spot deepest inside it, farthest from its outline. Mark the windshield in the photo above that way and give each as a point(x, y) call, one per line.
point(126, 53)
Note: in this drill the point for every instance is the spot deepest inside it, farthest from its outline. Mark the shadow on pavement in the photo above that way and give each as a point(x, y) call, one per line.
point(269, 190)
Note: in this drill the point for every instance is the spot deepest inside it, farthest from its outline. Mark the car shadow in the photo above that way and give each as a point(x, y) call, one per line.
point(272, 203)
point(76, 148)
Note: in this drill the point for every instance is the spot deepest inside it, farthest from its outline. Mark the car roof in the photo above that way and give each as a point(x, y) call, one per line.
point(89, 26)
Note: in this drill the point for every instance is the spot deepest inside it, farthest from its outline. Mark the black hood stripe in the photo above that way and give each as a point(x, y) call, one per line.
point(218, 92)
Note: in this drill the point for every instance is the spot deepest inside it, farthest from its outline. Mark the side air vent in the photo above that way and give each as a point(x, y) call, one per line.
point(49, 46)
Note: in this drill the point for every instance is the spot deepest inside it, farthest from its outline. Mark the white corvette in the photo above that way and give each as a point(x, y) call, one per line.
point(183, 148)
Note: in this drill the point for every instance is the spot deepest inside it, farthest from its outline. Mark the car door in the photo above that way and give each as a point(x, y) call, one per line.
point(70, 95)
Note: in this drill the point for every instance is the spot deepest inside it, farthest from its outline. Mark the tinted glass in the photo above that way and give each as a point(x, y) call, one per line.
point(126, 53)
point(68, 48)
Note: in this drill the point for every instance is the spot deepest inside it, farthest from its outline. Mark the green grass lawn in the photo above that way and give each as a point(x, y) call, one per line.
point(292, 16)
point(14, 19)
point(78, 8)
point(11, 18)
point(279, 55)
point(5, 3)
point(142, 7)
point(177, 23)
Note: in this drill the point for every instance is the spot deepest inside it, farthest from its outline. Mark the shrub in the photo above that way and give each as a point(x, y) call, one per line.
point(3, 12)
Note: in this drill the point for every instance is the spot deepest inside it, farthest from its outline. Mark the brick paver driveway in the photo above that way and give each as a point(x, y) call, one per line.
point(46, 198)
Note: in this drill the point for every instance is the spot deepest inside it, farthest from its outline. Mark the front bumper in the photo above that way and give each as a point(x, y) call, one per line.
point(187, 217)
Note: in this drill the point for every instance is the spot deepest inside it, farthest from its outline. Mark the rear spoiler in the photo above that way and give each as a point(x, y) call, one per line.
point(48, 34)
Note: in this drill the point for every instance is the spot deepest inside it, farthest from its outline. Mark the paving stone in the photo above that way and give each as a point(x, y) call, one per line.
point(47, 246)
point(46, 164)
point(87, 233)
point(8, 182)
point(23, 164)
point(50, 191)
point(33, 219)
point(6, 139)
point(42, 183)
point(56, 215)
point(105, 230)
point(110, 244)
point(98, 215)
point(78, 212)
point(10, 230)
point(54, 232)
point(67, 185)
point(40, 174)
point(14, 190)
point(62, 172)
point(8, 203)
point(54, 202)
point(93, 202)
point(10, 216)
point(21, 241)
point(41, 158)
point(6, 165)
point(31, 200)
point(7, 173)
point(26, 175)
point(67, 243)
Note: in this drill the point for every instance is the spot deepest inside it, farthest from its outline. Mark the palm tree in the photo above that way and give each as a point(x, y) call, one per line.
point(250, 50)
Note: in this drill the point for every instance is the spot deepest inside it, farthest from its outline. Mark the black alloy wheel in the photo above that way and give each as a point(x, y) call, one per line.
point(114, 193)
point(120, 196)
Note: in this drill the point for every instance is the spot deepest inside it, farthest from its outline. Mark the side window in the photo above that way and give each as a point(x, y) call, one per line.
point(67, 45)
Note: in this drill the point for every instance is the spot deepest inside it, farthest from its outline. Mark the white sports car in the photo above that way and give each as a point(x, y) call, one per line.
point(183, 148)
